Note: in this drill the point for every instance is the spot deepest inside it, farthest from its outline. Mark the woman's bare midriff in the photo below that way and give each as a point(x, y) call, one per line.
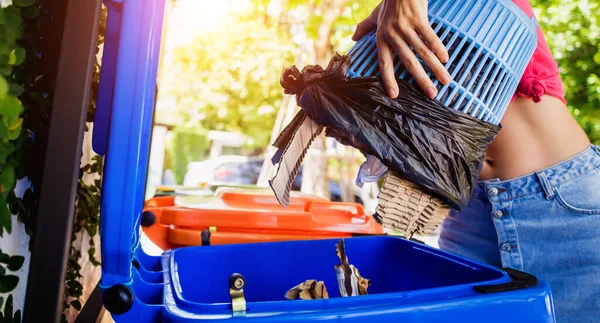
point(534, 136)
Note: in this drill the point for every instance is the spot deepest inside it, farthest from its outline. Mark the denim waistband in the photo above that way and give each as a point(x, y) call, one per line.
point(543, 180)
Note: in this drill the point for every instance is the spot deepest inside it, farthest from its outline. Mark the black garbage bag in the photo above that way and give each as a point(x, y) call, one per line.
point(427, 143)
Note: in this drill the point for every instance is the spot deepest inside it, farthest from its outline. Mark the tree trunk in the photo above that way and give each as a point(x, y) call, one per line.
point(314, 175)
point(331, 10)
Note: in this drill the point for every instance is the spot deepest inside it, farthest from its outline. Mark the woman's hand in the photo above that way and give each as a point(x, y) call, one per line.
point(402, 24)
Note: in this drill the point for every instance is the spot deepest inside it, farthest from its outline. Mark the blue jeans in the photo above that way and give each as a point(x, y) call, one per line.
point(546, 224)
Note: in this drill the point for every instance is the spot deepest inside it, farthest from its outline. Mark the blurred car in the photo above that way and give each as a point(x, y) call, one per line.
point(240, 170)
point(335, 190)
point(239, 173)
point(210, 170)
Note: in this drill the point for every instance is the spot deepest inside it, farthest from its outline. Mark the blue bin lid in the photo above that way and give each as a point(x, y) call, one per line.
point(124, 125)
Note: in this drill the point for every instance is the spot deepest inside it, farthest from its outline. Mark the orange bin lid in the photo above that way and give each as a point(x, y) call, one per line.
point(191, 237)
point(239, 210)
point(160, 201)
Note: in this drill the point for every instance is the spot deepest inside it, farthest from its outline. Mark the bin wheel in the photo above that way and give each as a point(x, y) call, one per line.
point(148, 219)
point(118, 299)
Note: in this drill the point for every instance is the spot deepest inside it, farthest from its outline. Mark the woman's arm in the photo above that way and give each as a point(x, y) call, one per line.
point(402, 24)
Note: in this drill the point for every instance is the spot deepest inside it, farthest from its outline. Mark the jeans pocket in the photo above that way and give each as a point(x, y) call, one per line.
point(581, 195)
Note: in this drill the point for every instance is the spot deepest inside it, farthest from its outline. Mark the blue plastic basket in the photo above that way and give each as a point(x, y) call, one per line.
point(411, 282)
point(490, 43)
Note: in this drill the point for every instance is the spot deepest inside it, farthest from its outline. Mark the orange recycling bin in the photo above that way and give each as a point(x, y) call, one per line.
point(151, 225)
point(238, 216)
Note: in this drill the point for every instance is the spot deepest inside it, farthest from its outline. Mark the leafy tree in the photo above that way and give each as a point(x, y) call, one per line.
point(572, 29)
point(228, 79)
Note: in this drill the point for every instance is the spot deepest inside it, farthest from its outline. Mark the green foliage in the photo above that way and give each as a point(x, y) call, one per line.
point(87, 215)
point(228, 79)
point(7, 316)
point(187, 144)
point(8, 282)
point(87, 218)
point(11, 109)
point(12, 140)
point(572, 29)
point(354, 11)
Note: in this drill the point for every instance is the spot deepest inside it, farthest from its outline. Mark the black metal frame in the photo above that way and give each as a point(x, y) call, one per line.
point(44, 297)
point(93, 310)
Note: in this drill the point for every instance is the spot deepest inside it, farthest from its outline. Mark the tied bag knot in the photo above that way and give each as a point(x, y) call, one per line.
point(294, 82)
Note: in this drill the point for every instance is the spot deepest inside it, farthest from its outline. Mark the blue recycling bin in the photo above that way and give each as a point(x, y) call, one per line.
point(410, 282)
point(490, 44)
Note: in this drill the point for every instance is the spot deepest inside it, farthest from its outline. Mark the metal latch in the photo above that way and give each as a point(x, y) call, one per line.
point(236, 291)
point(205, 235)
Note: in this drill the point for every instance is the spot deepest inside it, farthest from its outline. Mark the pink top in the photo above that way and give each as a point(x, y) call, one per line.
point(541, 75)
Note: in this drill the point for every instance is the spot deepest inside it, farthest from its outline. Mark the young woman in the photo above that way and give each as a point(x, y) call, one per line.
point(537, 205)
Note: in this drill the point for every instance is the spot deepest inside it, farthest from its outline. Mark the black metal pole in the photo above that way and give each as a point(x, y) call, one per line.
point(44, 297)
point(93, 308)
